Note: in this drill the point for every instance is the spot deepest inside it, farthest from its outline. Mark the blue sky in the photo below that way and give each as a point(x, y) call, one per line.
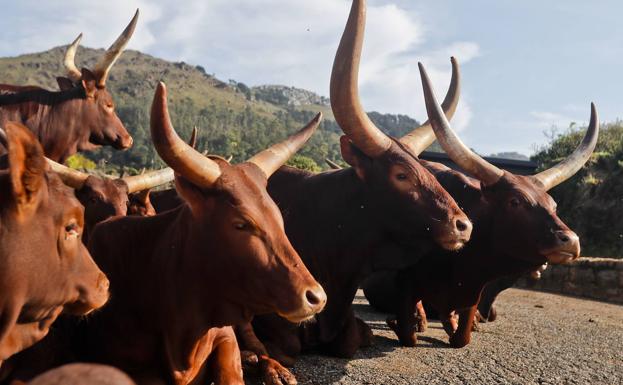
point(527, 65)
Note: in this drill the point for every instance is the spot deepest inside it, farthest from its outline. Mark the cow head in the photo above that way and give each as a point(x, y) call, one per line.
point(44, 266)
point(405, 196)
point(239, 246)
point(95, 110)
point(104, 197)
point(524, 220)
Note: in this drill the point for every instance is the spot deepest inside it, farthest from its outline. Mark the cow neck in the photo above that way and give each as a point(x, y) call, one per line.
point(327, 216)
point(330, 224)
point(48, 114)
point(481, 257)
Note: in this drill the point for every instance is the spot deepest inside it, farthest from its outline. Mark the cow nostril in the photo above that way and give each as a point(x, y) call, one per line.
point(563, 237)
point(461, 225)
point(312, 298)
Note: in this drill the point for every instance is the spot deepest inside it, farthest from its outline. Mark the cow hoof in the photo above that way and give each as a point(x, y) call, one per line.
point(475, 325)
point(249, 360)
point(458, 343)
point(275, 374)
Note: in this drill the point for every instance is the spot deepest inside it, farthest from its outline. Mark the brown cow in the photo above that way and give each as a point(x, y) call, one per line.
point(104, 197)
point(79, 117)
point(518, 231)
point(337, 219)
point(44, 267)
point(181, 278)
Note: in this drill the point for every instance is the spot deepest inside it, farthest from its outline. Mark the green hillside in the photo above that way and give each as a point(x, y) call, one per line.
point(234, 119)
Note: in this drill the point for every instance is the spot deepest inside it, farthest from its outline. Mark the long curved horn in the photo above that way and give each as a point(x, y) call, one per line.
point(72, 178)
point(452, 145)
point(564, 170)
point(193, 138)
point(422, 137)
point(347, 109)
point(174, 151)
point(276, 155)
point(69, 62)
point(149, 180)
point(103, 66)
point(333, 165)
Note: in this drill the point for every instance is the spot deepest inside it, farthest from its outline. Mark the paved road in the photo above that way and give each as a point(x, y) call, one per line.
point(538, 338)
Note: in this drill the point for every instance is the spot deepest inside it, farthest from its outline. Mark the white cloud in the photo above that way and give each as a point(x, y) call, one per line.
point(31, 26)
point(545, 120)
point(256, 42)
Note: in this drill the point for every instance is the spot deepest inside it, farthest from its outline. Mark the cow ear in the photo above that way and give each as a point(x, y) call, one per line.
point(64, 83)
point(27, 165)
point(89, 82)
point(352, 156)
point(199, 204)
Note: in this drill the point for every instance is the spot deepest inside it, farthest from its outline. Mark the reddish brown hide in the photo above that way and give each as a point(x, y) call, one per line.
point(336, 220)
point(181, 278)
point(518, 231)
point(44, 267)
point(79, 117)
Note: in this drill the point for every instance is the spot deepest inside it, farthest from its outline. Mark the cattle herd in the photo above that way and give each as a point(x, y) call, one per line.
point(248, 265)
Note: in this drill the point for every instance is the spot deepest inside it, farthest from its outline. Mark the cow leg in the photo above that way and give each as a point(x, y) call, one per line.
point(422, 321)
point(279, 338)
point(406, 321)
point(463, 333)
point(449, 323)
point(271, 371)
point(348, 339)
point(226, 363)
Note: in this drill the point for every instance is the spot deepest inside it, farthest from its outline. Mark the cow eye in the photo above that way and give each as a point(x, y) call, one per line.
point(72, 231)
point(241, 226)
point(514, 202)
point(401, 176)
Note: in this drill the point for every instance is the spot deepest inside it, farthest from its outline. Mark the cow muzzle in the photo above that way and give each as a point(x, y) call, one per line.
point(123, 142)
point(567, 248)
point(457, 233)
point(90, 299)
point(312, 301)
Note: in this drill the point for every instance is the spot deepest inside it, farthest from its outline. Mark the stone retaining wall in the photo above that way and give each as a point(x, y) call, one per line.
point(595, 278)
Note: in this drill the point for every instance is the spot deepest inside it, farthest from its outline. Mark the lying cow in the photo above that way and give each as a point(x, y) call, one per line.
point(518, 231)
point(181, 279)
point(104, 197)
point(81, 116)
point(44, 267)
point(337, 219)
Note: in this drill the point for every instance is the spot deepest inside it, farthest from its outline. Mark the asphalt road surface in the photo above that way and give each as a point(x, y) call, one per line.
point(538, 338)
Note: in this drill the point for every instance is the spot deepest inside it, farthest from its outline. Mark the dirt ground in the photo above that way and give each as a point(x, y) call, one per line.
point(539, 338)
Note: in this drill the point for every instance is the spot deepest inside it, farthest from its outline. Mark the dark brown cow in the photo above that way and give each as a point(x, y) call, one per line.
point(180, 279)
point(79, 117)
point(44, 267)
point(103, 197)
point(337, 219)
point(518, 231)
